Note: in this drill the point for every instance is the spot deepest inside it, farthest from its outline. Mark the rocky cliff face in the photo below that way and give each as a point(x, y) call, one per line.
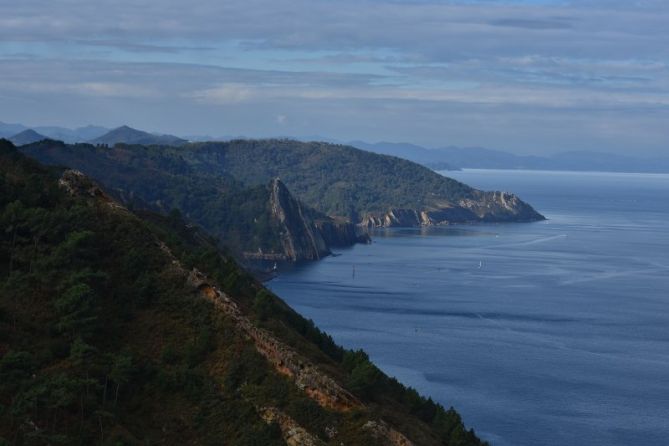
point(79, 185)
point(341, 233)
point(300, 238)
point(501, 207)
point(304, 234)
point(485, 207)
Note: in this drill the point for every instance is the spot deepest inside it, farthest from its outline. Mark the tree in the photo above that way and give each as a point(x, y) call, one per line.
point(121, 371)
point(76, 310)
point(263, 305)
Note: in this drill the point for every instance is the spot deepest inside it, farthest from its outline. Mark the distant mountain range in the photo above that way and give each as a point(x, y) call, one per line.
point(26, 137)
point(20, 135)
point(80, 134)
point(433, 159)
point(128, 135)
point(446, 158)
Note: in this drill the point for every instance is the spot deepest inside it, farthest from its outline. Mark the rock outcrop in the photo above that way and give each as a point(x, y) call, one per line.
point(79, 185)
point(293, 434)
point(485, 207)
point(501, 207)
point(304, 233)
point(341, 233)
point(300, 238)
point(387, 434)
point(315, 383)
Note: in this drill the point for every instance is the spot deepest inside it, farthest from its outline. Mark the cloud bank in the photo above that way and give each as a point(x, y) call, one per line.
point(530, 76)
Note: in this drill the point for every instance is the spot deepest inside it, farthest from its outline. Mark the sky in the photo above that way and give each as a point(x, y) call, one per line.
point(524, 76)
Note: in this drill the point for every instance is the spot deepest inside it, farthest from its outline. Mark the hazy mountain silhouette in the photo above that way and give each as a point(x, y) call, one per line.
point(128, 135)
point(482, 158)
point(26, 137)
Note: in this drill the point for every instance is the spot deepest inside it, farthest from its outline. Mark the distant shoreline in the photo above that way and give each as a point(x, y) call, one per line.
point(552, 171)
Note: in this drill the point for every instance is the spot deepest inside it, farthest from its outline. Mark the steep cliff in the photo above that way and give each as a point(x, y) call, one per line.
point(341, 233)
point(300, 238)
point(304, 234)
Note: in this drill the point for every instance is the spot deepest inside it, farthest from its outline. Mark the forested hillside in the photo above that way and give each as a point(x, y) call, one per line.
point(336, 180)
point(119, 330)
point(165, 179)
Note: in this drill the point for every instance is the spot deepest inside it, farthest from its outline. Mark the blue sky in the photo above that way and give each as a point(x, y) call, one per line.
point(525, 76)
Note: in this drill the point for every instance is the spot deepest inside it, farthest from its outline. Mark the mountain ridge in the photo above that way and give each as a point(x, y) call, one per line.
point(449, 158)
point(28, 136)
point(129, 135)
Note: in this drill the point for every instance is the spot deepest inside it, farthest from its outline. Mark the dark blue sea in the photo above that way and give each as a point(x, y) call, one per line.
point(548, 333)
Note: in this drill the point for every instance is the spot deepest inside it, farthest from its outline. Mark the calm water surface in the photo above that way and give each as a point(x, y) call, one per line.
point(549, 333)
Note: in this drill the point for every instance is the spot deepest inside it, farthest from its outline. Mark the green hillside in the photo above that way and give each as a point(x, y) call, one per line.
point(108, 335)
point(161, 179)
point(335, 179)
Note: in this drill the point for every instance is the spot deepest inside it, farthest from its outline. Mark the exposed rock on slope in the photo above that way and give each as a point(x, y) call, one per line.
point(488, 207)
point(293, 433)
point(338, 232)
point(306, 235)
point(300, 237)
point(285, 360)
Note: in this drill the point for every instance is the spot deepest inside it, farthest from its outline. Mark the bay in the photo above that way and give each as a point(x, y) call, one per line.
point(547, 333)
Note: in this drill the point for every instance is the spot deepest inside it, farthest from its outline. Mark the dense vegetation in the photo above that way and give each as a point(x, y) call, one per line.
point(161, 179)
point(102, 343)
point(334, 179)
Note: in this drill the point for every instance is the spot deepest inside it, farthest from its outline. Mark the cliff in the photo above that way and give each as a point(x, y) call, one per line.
point(304, 233)
point(300, 238)
point(341, 233)
point(491, 207)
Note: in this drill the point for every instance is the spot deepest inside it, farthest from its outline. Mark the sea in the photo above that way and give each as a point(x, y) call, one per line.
point(545, 333)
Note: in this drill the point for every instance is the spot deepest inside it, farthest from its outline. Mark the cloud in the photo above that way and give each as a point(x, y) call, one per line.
point(142, 47)
point(537, 24)
point(367, 67)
